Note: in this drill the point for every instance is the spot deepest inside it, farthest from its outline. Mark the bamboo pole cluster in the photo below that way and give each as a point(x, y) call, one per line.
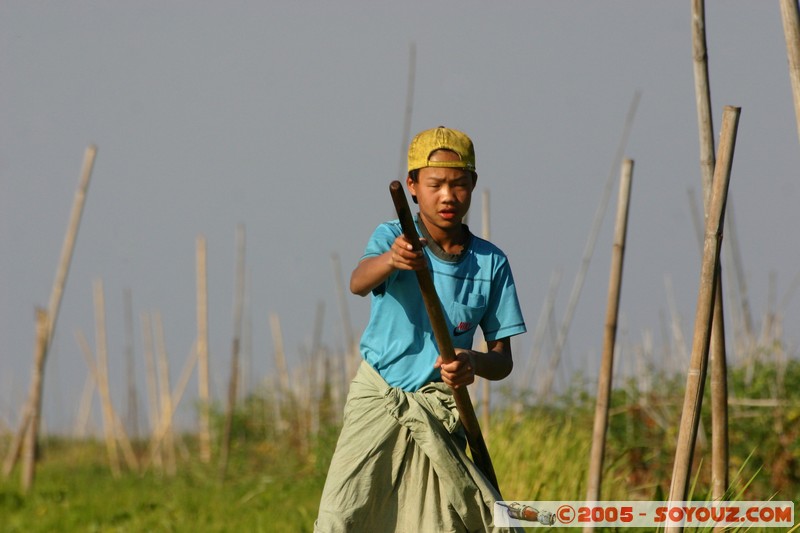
point(28, 432)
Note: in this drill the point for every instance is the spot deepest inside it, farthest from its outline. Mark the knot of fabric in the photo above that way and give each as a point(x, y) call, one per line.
point(435, 398)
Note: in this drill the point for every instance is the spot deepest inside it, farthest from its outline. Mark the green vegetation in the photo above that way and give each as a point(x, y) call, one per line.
point(540, 452)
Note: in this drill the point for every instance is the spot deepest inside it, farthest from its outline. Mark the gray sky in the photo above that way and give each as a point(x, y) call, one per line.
point(287, 117)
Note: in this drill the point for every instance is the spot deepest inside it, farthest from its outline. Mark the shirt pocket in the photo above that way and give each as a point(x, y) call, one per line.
point(465, 317)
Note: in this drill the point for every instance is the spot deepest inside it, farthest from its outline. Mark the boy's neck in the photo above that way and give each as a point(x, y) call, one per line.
point(450, 242)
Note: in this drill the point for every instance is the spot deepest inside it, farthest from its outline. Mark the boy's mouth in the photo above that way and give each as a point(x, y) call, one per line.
point(448, 214)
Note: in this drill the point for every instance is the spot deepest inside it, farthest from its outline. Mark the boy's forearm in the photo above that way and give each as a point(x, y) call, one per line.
point(496, 363)
point(370, 273)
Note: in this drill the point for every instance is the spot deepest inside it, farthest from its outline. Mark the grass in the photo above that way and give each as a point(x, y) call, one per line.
point(540, 453)
point(75, 491)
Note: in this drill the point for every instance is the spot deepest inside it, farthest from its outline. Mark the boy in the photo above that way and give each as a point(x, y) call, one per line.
point(400, 463)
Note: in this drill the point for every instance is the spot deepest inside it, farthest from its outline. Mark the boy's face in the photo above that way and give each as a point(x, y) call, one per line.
point(443, 194)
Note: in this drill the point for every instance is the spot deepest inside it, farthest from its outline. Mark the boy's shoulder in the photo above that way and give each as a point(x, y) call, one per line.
point(483, 247)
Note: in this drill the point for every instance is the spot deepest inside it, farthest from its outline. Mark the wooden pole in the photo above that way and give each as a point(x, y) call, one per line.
point(409, 110)
point(132, 415)
point(96, 378)
point(433, 306)
point(603, 401)
point(693, 399)
point(485, 387)
point(151, 378)
point(31, 436)
point(237, 333)
point(719, 372)
point(589, 251)
point(175, 399)
point(56, 294)
point(281, 368)
point(313, 374)
point(541, 328)
point(165, 403)
point(351, 349)
point(791, 30)
point(69, 241)
point(101, 346)
point(85, 407)
point(203, 388)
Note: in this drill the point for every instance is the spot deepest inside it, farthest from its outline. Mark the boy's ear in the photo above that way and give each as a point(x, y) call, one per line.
point(412, 188)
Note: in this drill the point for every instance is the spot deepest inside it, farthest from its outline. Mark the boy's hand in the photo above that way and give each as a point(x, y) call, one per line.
point(403, 256)
point(459, 373)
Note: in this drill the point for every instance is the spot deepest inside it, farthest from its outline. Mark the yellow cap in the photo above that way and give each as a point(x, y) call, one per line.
point(441, 138)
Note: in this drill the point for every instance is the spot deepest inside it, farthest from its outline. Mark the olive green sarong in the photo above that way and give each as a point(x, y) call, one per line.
point(401, 465)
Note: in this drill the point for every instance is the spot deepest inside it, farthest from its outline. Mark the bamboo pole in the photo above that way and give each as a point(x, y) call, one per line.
point(132, 415)
point(165, 398)
point(589, 250)
point(101, 346)
point(693, 398)
point(31, 436)
point(282, 370)
point(791, 30)
point(85, 407)
point(203, 388)
point(313, 374)
point(351, 349)
point(485, 387)
point(151, 378)
point(119, 428)
point(719, 372)
point(609, 338)
point(67, 249)
point(69, 240)
point(175, 398)
point(409, 110)
point(541, 329)
point(237, 333)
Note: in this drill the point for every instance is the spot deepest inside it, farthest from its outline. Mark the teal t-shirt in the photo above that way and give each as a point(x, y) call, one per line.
point(476, 288)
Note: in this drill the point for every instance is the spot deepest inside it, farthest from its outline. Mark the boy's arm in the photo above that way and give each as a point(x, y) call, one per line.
point(494, 364)
point(372, 271)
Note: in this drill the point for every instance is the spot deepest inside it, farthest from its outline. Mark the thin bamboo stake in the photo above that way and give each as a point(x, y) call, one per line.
point(101, 346)
point(675, 324)
point(246, 372)
point(282, 370)
point(313, 374)
point(165, 403)
point(152, 379)
point(237, 333)
point(175, 398)
point(351, 349)
point(736, 260)
point(202, 351)
point(132, 415)
point(119, 428)
point(485, 388)
point(589, 249)
point(693, 398)
point(85, 407)
point(410, 82)
point(719, 378)
point(541, 328)
point(68, 246)
point(791, 30)
point(69, 240)
point(31, 436)
point(603, 401)
point(703, 97)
